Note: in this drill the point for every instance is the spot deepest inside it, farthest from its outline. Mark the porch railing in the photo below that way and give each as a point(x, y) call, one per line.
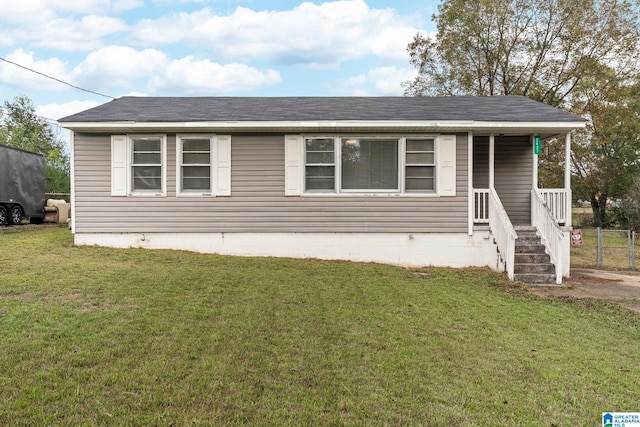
point(503, 231)
point(542, 218)
point(481, 206)
point(558, 201)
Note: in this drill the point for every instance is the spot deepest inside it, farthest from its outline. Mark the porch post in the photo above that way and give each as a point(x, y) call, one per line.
point(567, 162)
point(471, 199)
point(492, 155)
point(535, 166)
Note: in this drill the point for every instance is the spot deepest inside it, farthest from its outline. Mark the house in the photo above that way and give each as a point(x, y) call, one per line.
point(444, 181)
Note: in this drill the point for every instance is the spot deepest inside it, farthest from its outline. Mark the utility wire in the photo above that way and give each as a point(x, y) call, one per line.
point(58, 80)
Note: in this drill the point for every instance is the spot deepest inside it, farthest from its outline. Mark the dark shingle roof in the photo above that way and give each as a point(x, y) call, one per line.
point(209, 109)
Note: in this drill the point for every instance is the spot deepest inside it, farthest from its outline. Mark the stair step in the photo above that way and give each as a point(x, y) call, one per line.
point(532, 259)
point(525, 268)
point(535, 279)
point(530, 248)
point(528, 238)
point(532, 264)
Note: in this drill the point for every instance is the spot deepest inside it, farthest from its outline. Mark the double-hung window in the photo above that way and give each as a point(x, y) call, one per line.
point(147, 165)
point(138, 165)
point(370, 165)
point(420, 164)
point(194, 169)
point(320, 170)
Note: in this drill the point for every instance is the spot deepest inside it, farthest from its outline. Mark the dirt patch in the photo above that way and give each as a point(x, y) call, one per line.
point(619, 286)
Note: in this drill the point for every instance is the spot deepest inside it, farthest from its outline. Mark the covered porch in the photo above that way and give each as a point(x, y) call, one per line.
point(505, 197)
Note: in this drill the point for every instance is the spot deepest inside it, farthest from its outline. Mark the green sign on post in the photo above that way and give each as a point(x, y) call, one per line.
point(537, 145)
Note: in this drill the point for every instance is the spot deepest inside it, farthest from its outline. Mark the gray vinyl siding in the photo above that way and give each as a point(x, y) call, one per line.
point(513, 173)
point(514, 177)
point(481, 162)
point(257, 202)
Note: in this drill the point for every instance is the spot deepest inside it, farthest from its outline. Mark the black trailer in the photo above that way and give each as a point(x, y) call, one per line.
point(22, 183)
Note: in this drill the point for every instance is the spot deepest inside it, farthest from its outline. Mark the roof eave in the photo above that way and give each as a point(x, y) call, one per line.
point(547, 127)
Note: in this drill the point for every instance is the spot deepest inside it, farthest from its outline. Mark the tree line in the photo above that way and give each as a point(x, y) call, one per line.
point(582, 56)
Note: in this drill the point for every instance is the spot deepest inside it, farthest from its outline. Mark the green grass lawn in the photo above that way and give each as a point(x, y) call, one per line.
point(94, 336)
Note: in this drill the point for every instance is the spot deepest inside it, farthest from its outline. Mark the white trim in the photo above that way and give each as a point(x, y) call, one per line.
point(222, 185)
point(567, 161)
point(407, 249)
point(293, 165)
point(436, 160)
point(492, 160)
point(535, 163)
point(338, 191)
point(470, 199)
point(333, 124)
point(119, 165)
point(446, 154)
point(72, 158)
point(212, 146)
point(361, 191)
point(163, 154)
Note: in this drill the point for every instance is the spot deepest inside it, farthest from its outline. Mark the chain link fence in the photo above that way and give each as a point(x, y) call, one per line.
point(607, 248)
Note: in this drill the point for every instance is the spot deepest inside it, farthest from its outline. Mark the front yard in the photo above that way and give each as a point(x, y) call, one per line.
point(93, 336)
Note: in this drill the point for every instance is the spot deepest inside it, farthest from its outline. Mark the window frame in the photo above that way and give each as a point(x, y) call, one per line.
point(397, 190)
point(162, 192)
point(433, 165)
point(306, 164)
point(212, 165)
point(401, 159)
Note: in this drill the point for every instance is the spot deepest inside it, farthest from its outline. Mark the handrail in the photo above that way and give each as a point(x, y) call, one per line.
point(558, 200)
point(504, 233)
point(551, 235)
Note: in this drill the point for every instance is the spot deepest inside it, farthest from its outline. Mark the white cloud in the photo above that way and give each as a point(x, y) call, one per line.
point(378, 81)
point(172, 2)
point(61, 24)
point(72, 35)
point(119, 69)
point(122, 5)
point(58, 111)
point(120, 66)
point(24, 12)
point(43, 10)
point(313, 34)
point(203, 77)
point(14, 76)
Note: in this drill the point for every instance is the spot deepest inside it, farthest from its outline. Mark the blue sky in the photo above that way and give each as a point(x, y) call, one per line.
point(205, 48)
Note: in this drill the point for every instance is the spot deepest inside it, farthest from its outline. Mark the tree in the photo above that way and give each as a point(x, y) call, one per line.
point(20, 127)
point(541, 49)
point(627, 211)
point(579, 55)
point(606, 154)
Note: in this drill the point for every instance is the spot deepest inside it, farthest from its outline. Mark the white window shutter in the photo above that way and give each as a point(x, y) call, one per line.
point(446, 165)
point(119, 154)
point(223, 165)
point(293, 168)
